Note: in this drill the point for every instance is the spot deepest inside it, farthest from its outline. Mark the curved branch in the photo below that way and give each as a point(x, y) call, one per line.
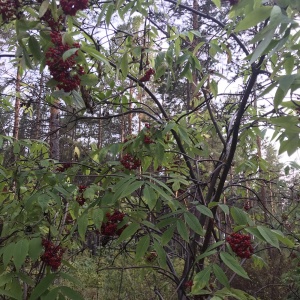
point(206, 16)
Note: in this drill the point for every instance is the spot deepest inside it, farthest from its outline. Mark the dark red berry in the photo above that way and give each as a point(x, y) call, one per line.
point(240, 244)
point(52, 255)
point(70, 7)
point(130, 162)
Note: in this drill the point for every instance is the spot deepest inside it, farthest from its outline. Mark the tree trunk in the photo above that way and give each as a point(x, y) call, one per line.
point(54, 130)
point(17, 104)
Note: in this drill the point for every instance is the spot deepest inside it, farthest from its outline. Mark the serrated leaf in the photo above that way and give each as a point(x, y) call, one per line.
point(221, 276)
point(161, 253)
point(8, 253)
point(204, 210)
point(239, 216)
point(77, 100)
point(128, 232)
point(82, 225)
point(89, 79)
point(95, 54)
point(69, 53)
point(182, 230)
point(194, 223)
point(70, 293)
point(124, 65)
point(43, 8)
point(35, 248)
point(269, 236)
point(254, 17)
point(167, 235)
point(34, 47)
point(42, 286)
point(142, 247)
point(127, 190)
point(232, 263)
point(150, 197)
point(200, 280)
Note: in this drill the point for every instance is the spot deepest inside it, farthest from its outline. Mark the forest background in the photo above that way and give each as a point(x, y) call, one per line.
point(134, 149)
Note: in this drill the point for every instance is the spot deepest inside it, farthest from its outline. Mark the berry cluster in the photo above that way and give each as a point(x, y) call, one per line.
point(70, 7)
point(147, 137)
point(8, 9)
point(147, 75)
point(188, 284)
point(150, 257)
point(80, 199)
point(53, 254)
point(55, 25)
point(247, 205)
point(130, 162)
point(110, 227)
point(65, 72)
point(64, 167)
point(240, 245)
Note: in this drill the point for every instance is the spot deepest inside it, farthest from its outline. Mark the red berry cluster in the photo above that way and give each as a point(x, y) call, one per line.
point(110, 227)
point(147, 75)
point(188, 284)
point(130, 162)
point(151, 256)
point(64, 167)
point(240, 244)
point(80, 199)
point(55, 25)
point(147, 137)
point(70, 7)
point(247, 205)
point(53, 254)
point(67, 72)
point(8, 9)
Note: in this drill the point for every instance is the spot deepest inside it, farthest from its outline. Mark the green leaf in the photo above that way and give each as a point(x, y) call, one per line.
point(161, 253)
point(167, 235)
point(35, 248)
point(217, 3)
point(239, 216)
point(262, 45)
point(232, 263)
point(69, 53)
point(20, 253)
point(43, 8)
point(42, 286)
point(127, 190)
point(82, 225)
point(124, 65)
point(200, 280)
point(95, 54)
point(52, 294)
point(205, 210)
point(128, 232)
point(269, 236)
point(150, 197)
point(34, 47)
point(70, 293)
point(182, 230)
point(289, 64)
point(89, 79)
point(77, 100)
point(194, 223)
point(8, 253)
point(225, 208)
point(142, 246)
point(254, 17)
point(221, 276)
